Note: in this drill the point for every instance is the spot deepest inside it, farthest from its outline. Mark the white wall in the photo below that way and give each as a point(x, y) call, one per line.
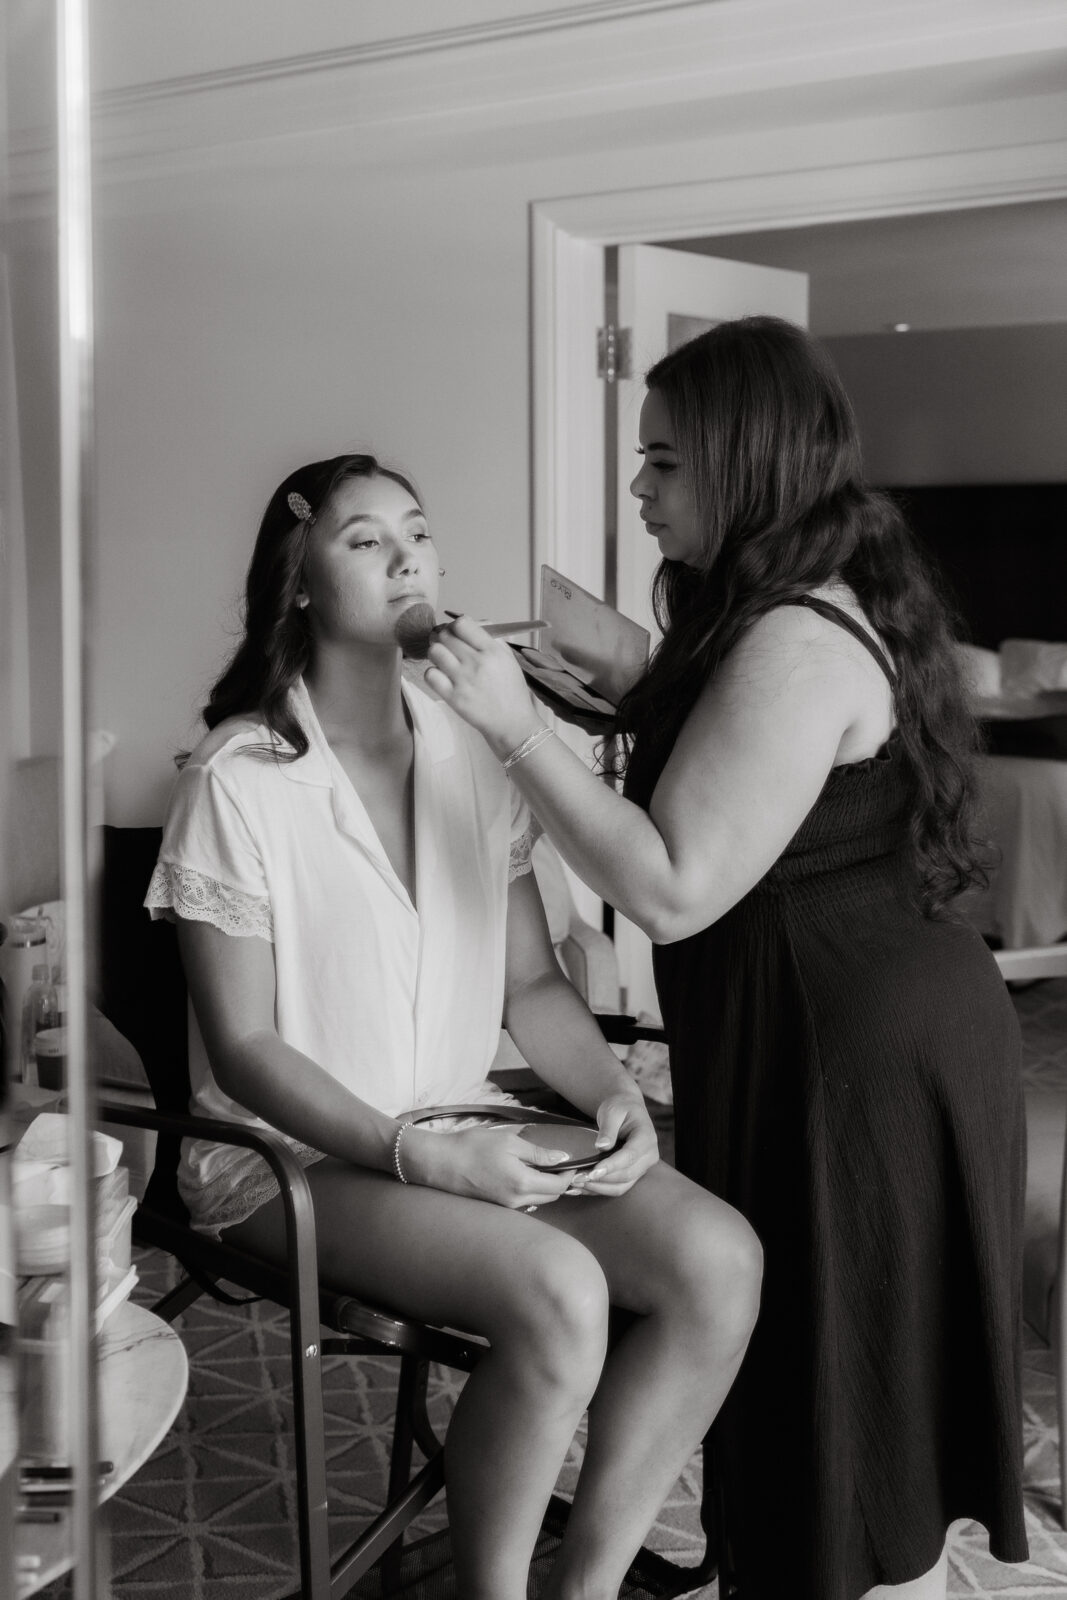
point(966, 405)
point(272, 327)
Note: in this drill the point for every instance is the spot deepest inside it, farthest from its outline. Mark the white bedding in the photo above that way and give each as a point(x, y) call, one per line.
point(1024, 808)
point(1023, 800)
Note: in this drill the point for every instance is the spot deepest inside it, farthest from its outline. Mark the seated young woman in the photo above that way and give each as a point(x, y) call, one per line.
point(349, 869)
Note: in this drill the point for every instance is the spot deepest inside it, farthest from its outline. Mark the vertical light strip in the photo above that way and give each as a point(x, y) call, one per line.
point(611, 436)
point(75, 456)
point(611, 506)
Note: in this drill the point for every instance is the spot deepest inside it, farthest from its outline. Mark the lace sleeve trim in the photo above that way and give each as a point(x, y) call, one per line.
point(181, 892)
point(519, 862)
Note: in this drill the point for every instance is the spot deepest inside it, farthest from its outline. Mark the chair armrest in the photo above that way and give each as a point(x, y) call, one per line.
point(270, 1145)
point(620, 1029)
point(300, 1240)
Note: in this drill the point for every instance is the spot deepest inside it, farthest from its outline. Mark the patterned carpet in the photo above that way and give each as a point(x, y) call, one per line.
point(210, 1517)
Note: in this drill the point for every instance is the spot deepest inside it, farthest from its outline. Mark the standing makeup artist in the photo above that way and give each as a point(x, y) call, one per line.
point(845, 1058)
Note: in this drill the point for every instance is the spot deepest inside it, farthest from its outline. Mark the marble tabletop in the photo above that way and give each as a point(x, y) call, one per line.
point(143, 1371)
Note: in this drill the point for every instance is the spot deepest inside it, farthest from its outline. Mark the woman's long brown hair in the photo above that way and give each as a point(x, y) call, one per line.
point(768, 444)
point(276, 645)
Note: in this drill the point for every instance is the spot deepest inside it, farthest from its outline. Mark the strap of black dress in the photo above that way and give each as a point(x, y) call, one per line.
point(833, 613)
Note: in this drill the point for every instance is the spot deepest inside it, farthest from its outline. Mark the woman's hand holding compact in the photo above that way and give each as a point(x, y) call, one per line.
point(625, 1129)
point(486, 1164)
point(479, 677)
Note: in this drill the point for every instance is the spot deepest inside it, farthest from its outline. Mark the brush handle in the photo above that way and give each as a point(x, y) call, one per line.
point(498, 629)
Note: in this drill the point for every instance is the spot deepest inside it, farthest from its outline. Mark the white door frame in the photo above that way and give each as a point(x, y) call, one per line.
point(567, 240)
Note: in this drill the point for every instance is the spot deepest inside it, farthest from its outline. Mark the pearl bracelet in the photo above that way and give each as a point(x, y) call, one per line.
point(527, 747)
point(397, 1168)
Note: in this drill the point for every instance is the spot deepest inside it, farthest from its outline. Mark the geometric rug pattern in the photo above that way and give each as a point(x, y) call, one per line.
point(211, 1516)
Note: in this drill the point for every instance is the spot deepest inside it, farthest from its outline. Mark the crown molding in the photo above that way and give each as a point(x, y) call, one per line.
point(560, 19)
point(552, 83)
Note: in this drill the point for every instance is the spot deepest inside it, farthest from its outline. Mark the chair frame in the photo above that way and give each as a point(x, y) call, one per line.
point(360, 1329)
point(366, 1330)
point(1058, 1336)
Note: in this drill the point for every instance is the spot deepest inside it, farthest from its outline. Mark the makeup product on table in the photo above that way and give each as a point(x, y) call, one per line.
point(50, 1051)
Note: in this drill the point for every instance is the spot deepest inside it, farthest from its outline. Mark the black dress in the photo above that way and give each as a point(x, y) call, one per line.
point(846, 1073)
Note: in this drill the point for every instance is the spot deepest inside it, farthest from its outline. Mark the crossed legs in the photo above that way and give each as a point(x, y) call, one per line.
point(539, 1288)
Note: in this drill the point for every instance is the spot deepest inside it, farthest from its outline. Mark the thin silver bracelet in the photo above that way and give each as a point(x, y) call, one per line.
point(397, 1168)
point(527, 747)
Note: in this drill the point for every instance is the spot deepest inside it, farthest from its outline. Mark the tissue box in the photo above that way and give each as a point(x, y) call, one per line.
point(114, 1240)
point(46, 1139)
point(41, 1191)
point(42, 1238)
point(43, 1331)
point(44, 1403)
point(42, 1218)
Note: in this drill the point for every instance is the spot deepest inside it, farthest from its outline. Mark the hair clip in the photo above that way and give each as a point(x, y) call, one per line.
point(299, 507)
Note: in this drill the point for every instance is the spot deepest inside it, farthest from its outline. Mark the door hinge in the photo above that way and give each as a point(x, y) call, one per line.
point(613, 353)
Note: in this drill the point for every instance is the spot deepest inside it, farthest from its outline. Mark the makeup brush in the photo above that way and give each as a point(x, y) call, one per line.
point(416, 627)
point(414, 630)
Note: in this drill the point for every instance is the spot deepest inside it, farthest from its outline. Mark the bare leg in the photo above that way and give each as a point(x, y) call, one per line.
point(933, 1585)
point(691, 1266)
point(539, 1298)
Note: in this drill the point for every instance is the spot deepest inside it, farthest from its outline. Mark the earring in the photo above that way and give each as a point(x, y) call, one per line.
point(440, 572)
point(301, 601)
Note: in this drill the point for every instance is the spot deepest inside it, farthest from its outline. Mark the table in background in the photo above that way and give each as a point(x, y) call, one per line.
point(143, 1372)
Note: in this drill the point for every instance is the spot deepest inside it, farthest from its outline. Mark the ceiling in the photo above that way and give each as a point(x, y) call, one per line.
point(986, 267)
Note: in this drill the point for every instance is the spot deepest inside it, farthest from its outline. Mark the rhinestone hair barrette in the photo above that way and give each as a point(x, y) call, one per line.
point(300, 508)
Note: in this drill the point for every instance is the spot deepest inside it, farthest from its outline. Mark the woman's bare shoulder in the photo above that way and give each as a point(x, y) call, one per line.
point(780, 642)
point(790, 637)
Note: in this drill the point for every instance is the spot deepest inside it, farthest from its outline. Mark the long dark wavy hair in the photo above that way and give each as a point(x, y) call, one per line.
point(277, 644)
point(768, 446)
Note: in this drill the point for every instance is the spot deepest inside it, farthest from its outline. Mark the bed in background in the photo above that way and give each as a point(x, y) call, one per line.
point(1002, 549)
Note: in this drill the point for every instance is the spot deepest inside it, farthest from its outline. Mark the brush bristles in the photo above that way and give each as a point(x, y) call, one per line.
point(414, 631)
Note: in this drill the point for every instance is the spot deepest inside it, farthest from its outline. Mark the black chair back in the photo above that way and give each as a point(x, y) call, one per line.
point(143, 993)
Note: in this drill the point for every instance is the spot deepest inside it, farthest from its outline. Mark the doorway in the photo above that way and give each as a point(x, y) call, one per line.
point(762, 221)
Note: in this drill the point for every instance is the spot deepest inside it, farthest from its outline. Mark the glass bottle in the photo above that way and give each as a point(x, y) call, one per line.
point(40, 1010)
point(6, 1069)
point(25, 947)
